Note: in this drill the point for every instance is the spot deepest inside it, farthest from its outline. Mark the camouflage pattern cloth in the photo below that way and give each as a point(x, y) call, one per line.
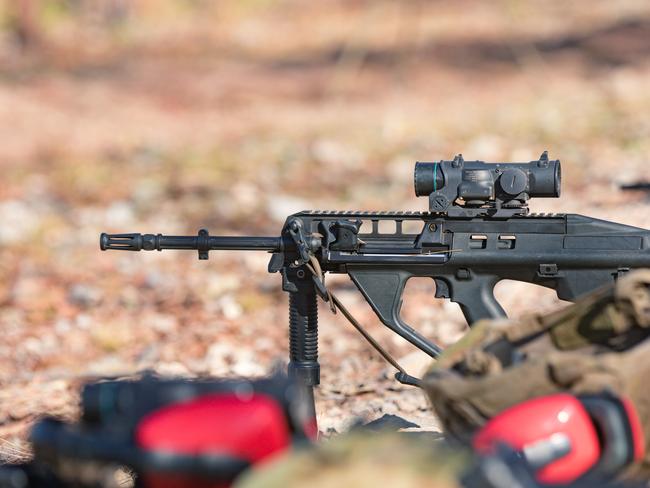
point(364, 460)
point(596, 344)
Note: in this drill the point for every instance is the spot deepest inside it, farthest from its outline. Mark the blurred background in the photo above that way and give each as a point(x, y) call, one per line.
point(168, 115)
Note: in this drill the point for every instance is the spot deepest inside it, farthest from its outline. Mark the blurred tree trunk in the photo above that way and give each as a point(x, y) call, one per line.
point(24, 23)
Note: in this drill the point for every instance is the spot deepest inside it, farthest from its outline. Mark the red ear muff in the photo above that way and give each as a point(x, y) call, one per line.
point(180, 433)
point(217, 428)
point(251, 429)
point(554, 433)
point(619, 429)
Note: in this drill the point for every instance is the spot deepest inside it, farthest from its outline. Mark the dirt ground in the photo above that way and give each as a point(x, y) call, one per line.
point(169, 116)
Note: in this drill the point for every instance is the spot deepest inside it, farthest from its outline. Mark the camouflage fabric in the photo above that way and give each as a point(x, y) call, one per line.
point(370, 460)
point(599, 343)
point(364, 460)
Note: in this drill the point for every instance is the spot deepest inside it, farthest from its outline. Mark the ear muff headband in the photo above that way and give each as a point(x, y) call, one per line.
point(619, 429)
point(636, 428)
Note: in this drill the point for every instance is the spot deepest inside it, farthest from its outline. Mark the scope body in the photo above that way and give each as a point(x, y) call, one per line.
point(472, 188)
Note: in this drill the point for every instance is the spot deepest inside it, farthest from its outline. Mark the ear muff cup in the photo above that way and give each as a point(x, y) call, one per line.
point(566, 438)
point(178, 433)
point(248, 430)
point(619, 431)
point(535, 426)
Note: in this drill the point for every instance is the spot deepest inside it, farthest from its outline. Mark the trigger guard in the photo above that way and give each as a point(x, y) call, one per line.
point(383, 292)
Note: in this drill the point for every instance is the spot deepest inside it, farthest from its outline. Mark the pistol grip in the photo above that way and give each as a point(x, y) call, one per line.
point(475, 295)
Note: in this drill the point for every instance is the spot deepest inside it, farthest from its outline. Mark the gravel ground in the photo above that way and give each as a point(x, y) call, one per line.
point(233, 117)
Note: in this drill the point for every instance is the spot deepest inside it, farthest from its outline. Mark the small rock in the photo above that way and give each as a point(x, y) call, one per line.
point(148, 357)
point(221, 283)
point(334, 425)
point(112, 336)
point(40, 347)
point(172, 369)
point(248, 367)
point(62, 326)
point(163, 323)
point(84, 295)
point(20, 411)
point(111, 365)
point(410, 401)
point(83, 321)
point(229, 307)
point(19, 221)
point(389, 422)
point(119, 214)
point(223, 359)
point(331, 153)
point(416, 363)
point(245, 194)
point(130, 296)
point(216, 359)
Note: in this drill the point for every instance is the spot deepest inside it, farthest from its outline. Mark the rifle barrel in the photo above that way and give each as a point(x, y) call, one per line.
point(202, 242)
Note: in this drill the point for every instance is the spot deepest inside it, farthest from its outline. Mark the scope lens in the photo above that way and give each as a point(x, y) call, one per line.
point(428, 177)
point(546, 182)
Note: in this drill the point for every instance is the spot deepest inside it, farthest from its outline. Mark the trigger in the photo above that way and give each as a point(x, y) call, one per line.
point(442, 289)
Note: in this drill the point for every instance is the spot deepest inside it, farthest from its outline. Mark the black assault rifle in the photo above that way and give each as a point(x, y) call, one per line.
point(478, 231)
